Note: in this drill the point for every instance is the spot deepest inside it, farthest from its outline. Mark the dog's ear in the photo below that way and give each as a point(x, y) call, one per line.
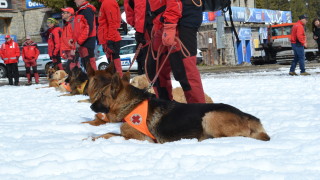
point(90, 70)
point(116, 85)
point(126, 77)
point(111, 68)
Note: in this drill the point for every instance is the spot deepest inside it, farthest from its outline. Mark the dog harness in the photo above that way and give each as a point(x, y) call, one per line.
point(81, 87)
point(138, 118)
point(66, 86)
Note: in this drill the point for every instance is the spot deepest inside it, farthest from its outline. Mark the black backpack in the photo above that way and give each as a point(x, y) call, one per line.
point(215, 5)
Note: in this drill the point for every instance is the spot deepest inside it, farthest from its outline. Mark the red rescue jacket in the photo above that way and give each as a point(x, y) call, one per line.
point(54, 41)
point(67, 35)
point(298, 34)
point(136, 13)
point(10, 52)
point(84, 32)
point(30, 51)
point(109, 21)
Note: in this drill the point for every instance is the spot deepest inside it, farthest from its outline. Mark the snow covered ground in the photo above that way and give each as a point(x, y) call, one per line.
point(41, 135)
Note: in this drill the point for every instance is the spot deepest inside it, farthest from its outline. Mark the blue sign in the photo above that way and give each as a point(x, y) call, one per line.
point(30, 4)
point(242, 14)
point(2, 40)
point(244, 33)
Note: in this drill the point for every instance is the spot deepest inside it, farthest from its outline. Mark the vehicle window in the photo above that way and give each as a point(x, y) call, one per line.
point(277, 31)
point(125, 42)
point(128, 50)
point(287, 30)
point(43, 49)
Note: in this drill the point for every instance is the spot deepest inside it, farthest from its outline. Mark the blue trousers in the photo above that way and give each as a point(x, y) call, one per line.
point(299, 57)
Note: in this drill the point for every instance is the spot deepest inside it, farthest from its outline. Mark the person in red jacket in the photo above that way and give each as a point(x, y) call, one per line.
point(108, 34)
point(84, 33)
point(30, 53)
point(136, 13)
point(54, 42)
point(10, 53)
point(68, 46)
point(298, 42)
point(175, 24)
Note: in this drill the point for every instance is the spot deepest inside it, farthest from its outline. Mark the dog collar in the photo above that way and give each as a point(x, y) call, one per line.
point(138, 118)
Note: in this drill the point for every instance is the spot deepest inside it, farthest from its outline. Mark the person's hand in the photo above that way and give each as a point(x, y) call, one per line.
point(305, 45)
point(70, 42)
point(169, 34)
point(140, 38)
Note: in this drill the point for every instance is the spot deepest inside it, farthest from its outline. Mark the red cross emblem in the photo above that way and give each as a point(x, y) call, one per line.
point(136, 119)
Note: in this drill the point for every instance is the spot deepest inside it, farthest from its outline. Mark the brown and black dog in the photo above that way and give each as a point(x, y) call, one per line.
point(169, 121)
point(78, 81)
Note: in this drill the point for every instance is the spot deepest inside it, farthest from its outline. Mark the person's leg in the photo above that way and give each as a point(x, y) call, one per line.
point(28, 73)
point(10, 73)
point(116, 58)
point(295, 59)
point(35, 72)
point(185, 69)
point(15, 74)
point(301, 58)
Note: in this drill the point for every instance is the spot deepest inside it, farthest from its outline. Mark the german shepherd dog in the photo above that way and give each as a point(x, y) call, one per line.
point(98, 79)
point(78, 81)
point(169, 121)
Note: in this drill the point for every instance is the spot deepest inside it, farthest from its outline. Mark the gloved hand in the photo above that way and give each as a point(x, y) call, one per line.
point(110, 46)
point(169, 34)
point(140, 38)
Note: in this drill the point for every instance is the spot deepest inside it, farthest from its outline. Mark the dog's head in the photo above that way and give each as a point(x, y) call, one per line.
point(59, 75)
point(114, 95)
point(76, 76)
point(99, 79)
point(50, 72)
point(140, 81)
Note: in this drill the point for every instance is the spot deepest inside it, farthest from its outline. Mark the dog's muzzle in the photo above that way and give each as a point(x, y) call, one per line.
point(99, 108)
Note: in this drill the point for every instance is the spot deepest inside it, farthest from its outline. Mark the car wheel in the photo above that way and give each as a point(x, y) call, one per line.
point(103, 66)
point(3, 71)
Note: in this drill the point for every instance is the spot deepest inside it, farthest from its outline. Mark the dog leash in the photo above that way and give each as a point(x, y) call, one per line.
point(135, 55)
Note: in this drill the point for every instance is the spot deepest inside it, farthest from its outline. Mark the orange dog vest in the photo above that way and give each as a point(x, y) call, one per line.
point(138, 118)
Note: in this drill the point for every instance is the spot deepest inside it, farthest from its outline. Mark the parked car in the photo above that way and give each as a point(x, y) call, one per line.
point(126, 55)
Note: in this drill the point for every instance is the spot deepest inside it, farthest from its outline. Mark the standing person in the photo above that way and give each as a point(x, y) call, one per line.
point(108, 34)
point(30, 53)
point(54, 42)
point(316, 32)
point(68, 46)
point(136, 14)
point(10, 53)
point(84, 33)
point(299, 42)
point(175, 25)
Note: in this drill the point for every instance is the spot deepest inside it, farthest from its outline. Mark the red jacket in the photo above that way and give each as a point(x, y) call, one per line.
point(30, 51)
point(109, 21)
point(298, 34)
point(84, 32)
point(54, 41)
point(67, 35)
point(10, 52)
point(135, 13)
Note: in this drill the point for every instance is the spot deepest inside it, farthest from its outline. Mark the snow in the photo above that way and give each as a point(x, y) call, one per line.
point(41, 135)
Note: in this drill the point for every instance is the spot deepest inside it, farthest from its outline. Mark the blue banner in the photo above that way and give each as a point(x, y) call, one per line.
point(30, 4)
point(242, 14)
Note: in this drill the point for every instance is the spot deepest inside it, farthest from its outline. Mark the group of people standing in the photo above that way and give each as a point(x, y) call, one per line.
point(166, 30)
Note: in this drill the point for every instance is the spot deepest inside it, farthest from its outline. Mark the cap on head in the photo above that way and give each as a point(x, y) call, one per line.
point(7, 36)
point(52, 21)
point(303, 17)
point(68, 9)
